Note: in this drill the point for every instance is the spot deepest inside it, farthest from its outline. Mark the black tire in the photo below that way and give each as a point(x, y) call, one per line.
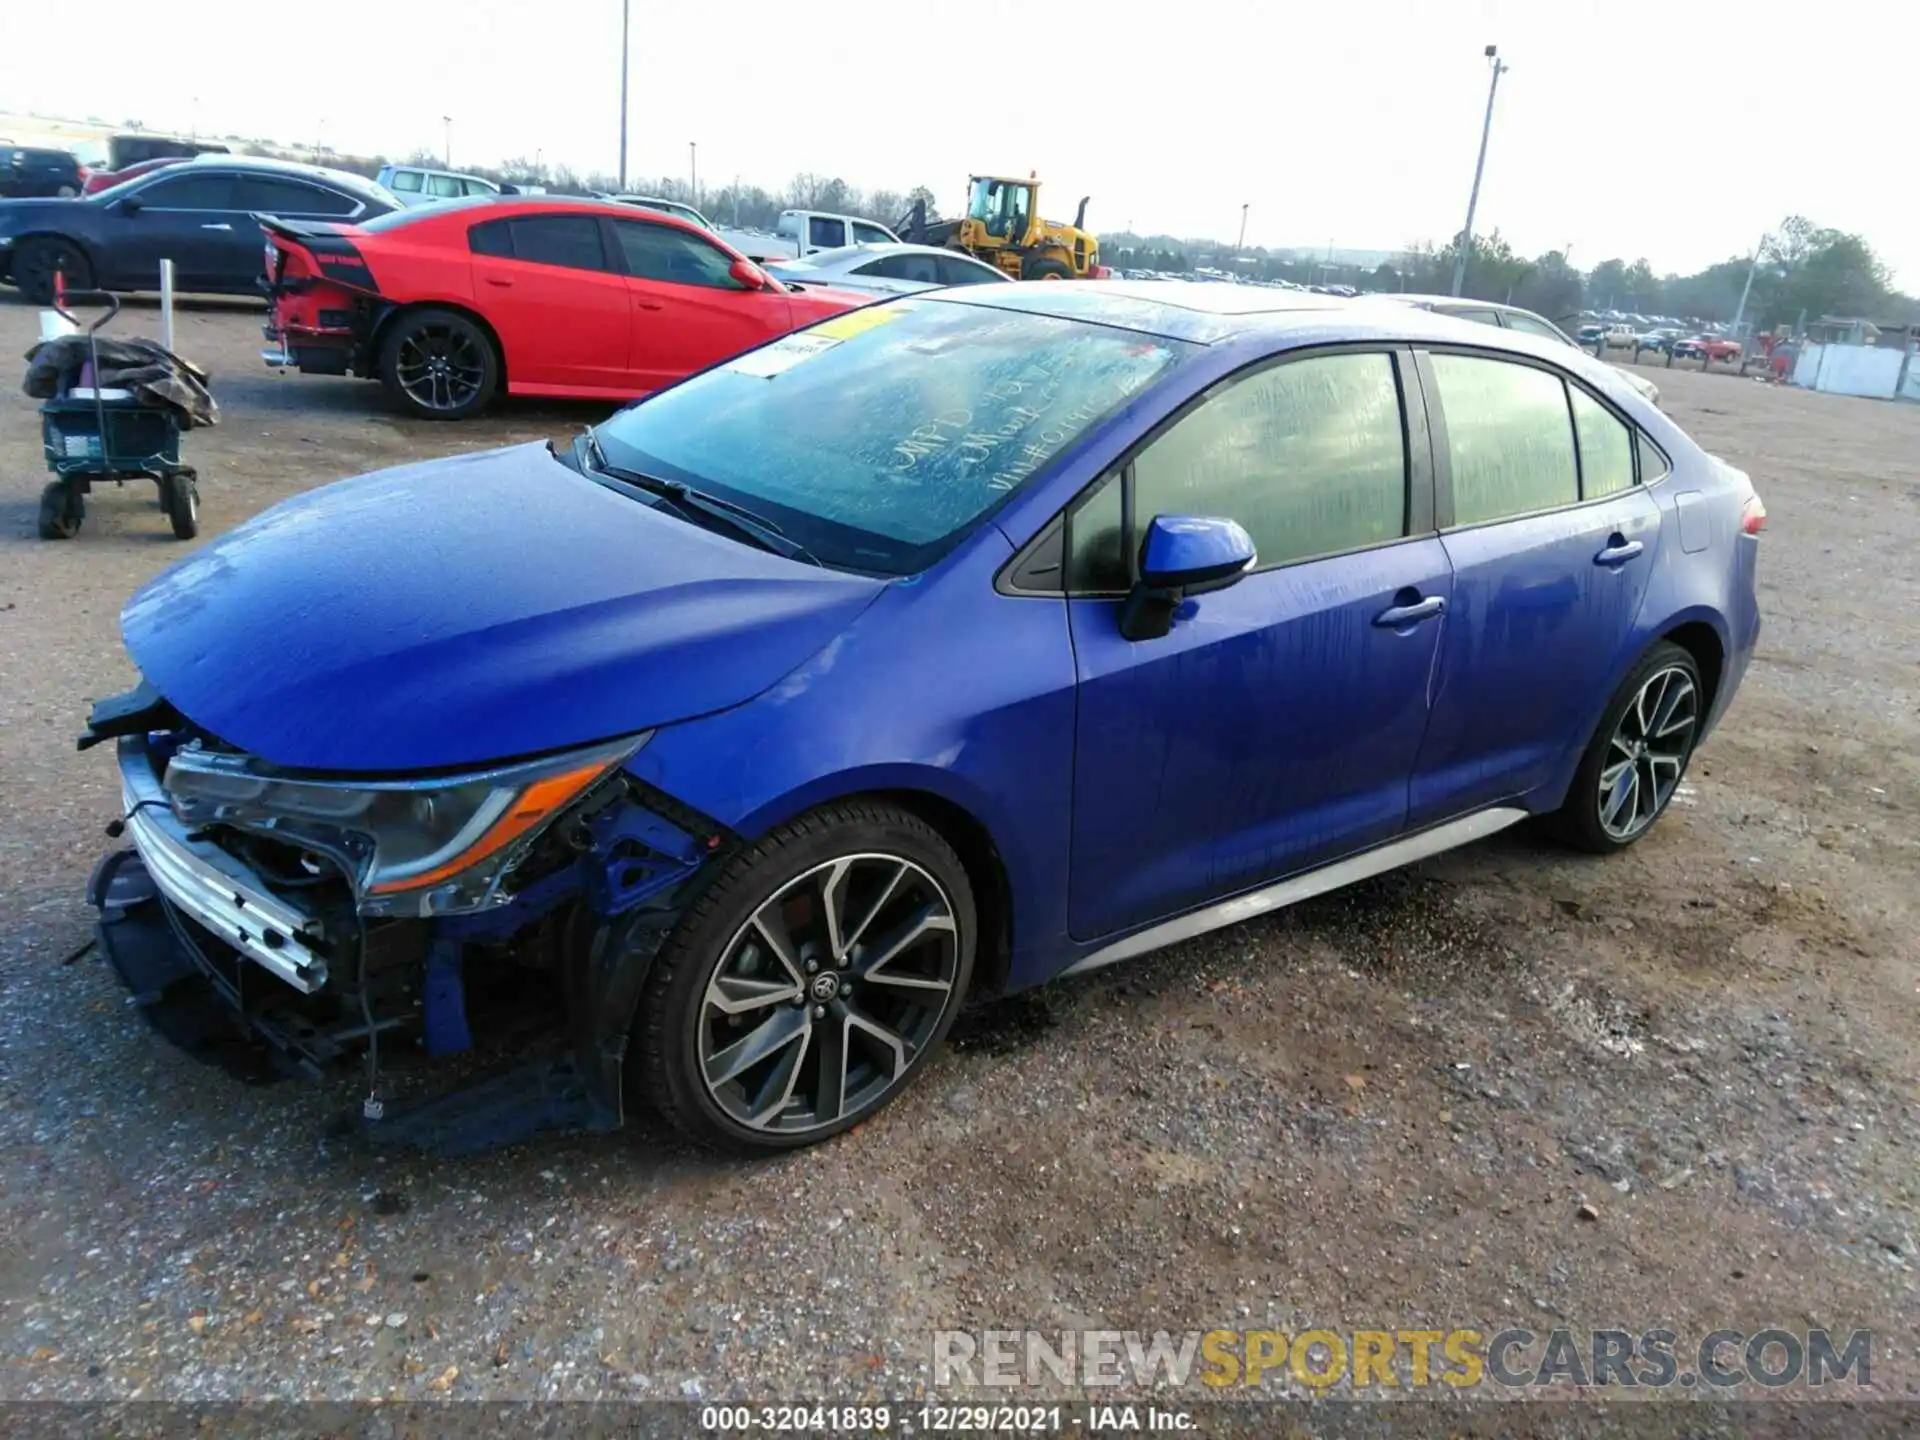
point(678, 1016)
point(36, 261)
point(180, 494)
point(1045, 267)
point(439, 364)
point(62, 508)
point(1582, 820)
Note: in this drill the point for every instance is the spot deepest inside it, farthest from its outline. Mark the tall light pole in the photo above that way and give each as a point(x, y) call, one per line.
point(1747, 289)
point(625, 15)
point(446, 149)
point(1500, 67)
point(1241, 243)
point(693, 172)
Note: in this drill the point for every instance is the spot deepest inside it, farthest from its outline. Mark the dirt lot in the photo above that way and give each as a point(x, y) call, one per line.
point(1386, 1108)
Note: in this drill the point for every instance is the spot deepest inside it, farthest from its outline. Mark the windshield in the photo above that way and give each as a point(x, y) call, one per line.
point(878, 439)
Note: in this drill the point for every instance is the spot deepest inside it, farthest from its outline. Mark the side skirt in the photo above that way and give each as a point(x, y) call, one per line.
point(1391, 856)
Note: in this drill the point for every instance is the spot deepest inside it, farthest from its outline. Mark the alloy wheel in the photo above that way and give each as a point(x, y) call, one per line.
point(1648, 752)
point(440, 367)
point(824, 999)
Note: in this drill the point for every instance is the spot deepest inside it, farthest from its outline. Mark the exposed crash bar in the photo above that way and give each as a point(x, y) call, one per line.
point(211, 887)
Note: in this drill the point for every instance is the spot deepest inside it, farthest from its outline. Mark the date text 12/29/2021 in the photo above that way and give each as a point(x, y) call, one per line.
point(942, 1419)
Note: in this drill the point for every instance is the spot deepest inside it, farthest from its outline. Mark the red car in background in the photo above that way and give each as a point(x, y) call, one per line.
point(451, 304)
point(99, 180)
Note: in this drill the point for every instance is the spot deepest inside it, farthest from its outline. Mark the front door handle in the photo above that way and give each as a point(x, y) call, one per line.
point(651, 304)
point(221, 226)
point(1395, 617)
point(1618, 551)
point(503, 284)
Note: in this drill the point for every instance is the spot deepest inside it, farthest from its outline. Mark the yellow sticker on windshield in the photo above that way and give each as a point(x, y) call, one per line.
point(858, 322)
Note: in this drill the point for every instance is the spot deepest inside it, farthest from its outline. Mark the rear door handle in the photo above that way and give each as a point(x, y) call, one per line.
point(651, 304)
point(1618, 551)
point(222, 226)
point(1396, 616)
point(503, 284)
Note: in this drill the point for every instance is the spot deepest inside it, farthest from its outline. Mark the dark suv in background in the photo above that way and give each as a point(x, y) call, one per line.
point(27, 172)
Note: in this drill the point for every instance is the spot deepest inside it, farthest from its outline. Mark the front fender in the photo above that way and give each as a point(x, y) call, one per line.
point(941, 687)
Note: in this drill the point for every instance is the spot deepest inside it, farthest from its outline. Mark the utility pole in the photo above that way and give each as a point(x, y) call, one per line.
point(1500, 67)
point(1747, 289)
point(1241, 244)
point(446, 148)
point(626, 7)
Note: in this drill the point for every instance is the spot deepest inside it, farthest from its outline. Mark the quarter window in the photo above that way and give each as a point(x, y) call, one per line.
point(1508, 437)
point(1309, 455)
point(1606, 447)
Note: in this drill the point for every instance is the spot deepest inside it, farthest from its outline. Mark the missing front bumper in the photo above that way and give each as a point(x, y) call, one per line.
point(213, 888)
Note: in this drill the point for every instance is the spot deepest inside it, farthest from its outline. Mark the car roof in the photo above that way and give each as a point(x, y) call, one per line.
point(262, 165)
point(848, 254)
point(1177, 309)
point(1281, 319)
point(511, 205)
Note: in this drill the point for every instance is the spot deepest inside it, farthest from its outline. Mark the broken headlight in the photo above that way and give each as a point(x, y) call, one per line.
point(411, 847)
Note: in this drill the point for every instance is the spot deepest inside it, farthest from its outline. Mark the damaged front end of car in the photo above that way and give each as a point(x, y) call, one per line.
point(289, 920)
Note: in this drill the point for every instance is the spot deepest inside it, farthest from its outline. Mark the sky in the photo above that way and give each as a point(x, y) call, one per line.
point(1678, 131)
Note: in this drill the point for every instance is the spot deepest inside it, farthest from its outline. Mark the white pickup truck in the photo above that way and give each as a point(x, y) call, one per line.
point(801, 232)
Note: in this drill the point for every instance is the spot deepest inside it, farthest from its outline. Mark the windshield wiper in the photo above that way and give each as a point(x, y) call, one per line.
point(691, 502)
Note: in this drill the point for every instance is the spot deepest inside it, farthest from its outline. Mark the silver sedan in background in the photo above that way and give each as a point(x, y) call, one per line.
point(887, 269)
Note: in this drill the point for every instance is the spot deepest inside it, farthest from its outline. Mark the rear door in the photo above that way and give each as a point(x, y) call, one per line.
point(1552, 540)
point(1276, 726)
point(556, 299)
point(687, 309)
point(242, 248)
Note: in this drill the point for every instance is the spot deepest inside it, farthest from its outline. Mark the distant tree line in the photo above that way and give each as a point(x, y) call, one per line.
point(1805, 269)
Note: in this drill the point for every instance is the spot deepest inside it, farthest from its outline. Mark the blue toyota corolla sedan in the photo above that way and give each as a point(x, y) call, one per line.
point(941, 649)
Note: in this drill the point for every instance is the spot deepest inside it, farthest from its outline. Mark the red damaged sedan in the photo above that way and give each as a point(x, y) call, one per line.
point(450, 305)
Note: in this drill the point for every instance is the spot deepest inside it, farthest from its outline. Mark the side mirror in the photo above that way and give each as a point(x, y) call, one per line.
point(1182, 556)
point(749, 275)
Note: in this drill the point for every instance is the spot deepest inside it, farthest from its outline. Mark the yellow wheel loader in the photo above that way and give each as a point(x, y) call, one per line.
point(1003, 228)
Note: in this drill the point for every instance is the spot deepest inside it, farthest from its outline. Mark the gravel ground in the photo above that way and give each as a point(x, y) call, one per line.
point(1508, 1087)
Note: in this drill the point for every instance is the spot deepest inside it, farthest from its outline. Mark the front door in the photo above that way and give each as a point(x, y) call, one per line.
point(1276, 726)
point(557, 301)
point(688, 312)
point(193, 220)
point(1552, 543)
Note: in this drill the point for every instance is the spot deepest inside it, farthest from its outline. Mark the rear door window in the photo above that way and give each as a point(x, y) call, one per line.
point(825, 233)
point(273, 195)
point(572, 241)
point(1509, 438)
point(956, 271)
point(493, 238)
point(405, 180)
point(920, 268)
point(444, 187)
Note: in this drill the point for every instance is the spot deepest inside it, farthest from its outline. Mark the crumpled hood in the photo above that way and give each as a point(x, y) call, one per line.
point(469, 610)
